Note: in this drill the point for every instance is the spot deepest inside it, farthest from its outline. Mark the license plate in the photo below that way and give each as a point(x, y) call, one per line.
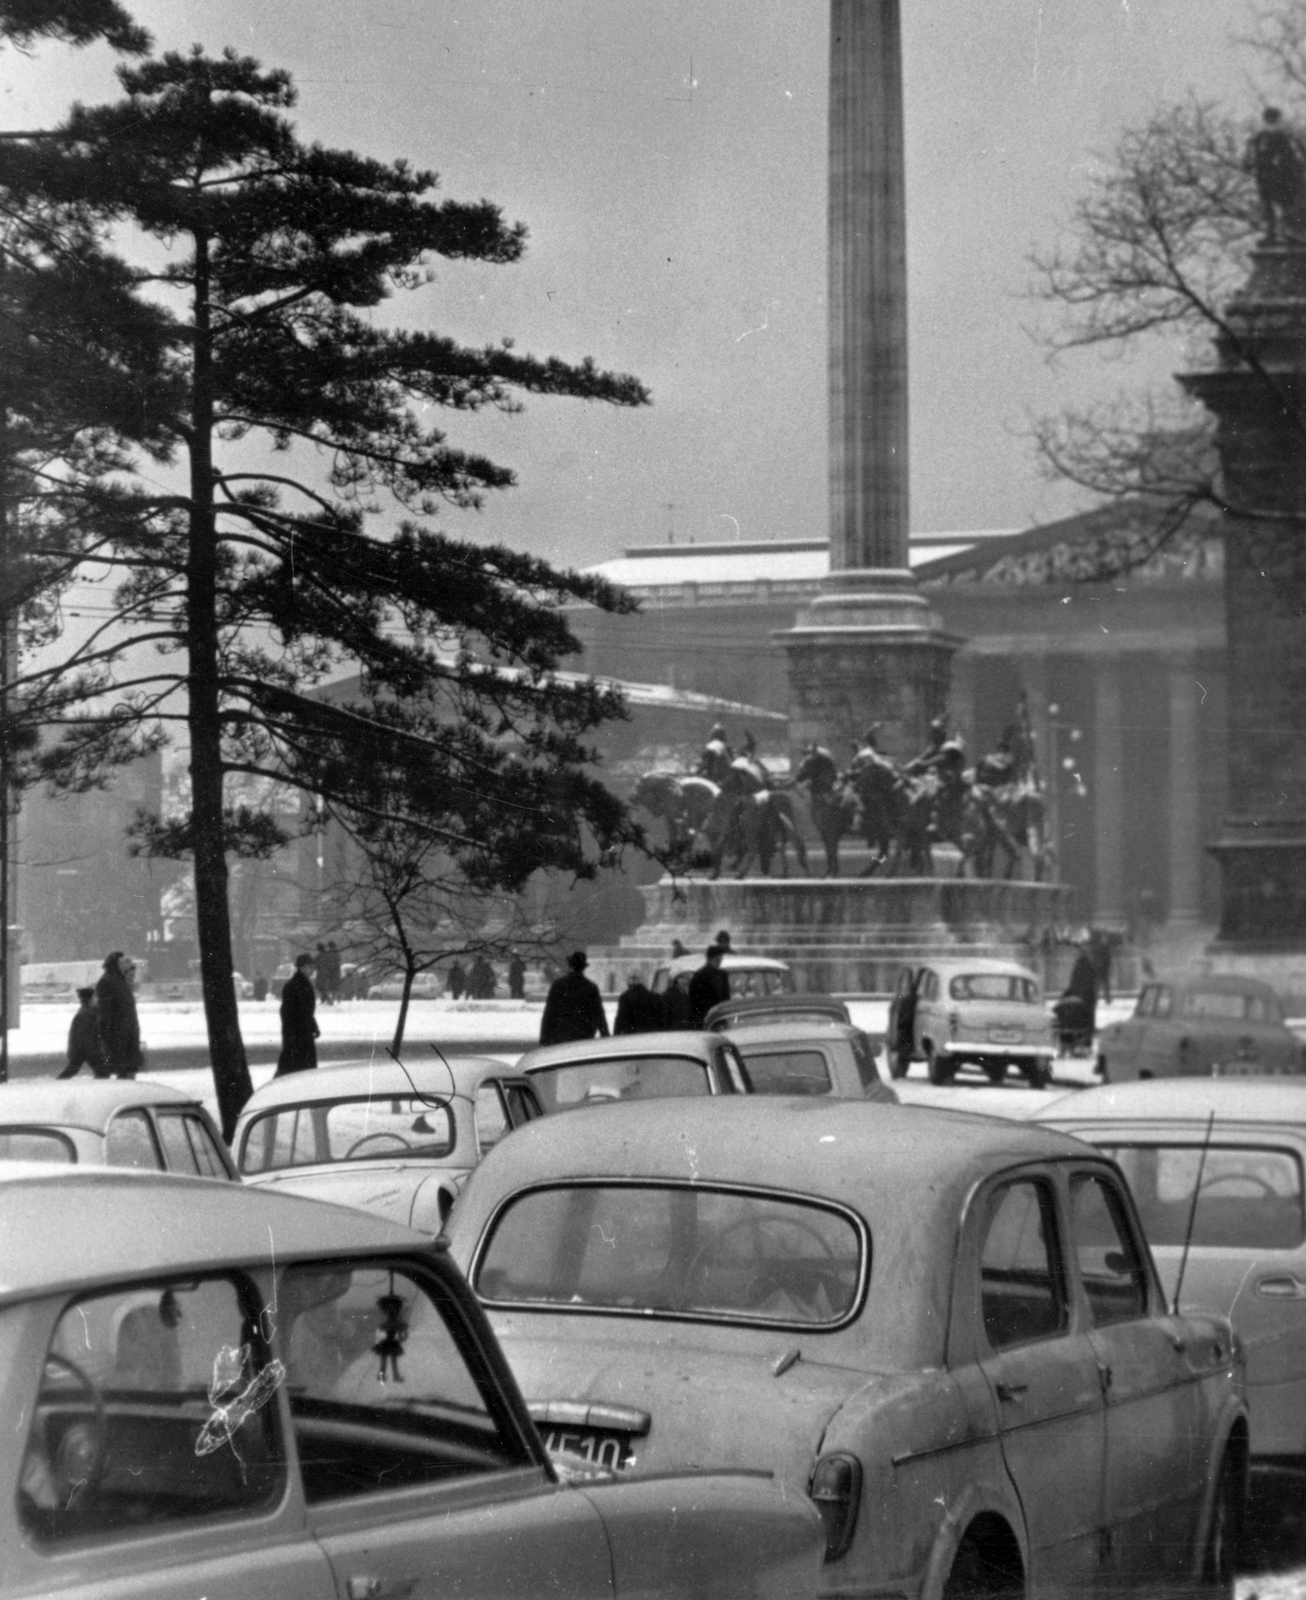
point(611, 1450)
point(1006, 1035)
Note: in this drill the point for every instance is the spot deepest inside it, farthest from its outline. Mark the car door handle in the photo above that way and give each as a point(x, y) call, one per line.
point(367, 1586)
point(1013, 1393)
point(1284, 1287)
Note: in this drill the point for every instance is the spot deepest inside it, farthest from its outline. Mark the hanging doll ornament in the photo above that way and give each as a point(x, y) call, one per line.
point(390, 1346)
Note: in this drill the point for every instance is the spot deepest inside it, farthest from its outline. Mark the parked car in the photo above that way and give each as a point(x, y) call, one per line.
point(794, 1056)
point(159, 1362)
point(958, 1012)
point(749, 975)
point(744, 1010)
point(394, 1137)
point(946, 1329)
point(1224, 1159)
point(115, 1122)
point(634, 1066)
point(1199, 1026)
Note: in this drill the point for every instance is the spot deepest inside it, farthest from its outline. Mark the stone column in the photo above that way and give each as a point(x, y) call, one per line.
point(1258, 398)
point(869, 648)
point(1184, 809)
point(1108, 796)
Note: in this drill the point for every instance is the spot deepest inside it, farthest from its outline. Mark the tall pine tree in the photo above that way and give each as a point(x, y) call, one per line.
point(263, 575)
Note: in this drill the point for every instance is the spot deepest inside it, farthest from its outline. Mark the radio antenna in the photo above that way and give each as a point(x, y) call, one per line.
point(1192, 1212)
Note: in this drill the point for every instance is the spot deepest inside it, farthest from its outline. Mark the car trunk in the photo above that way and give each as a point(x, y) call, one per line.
point(1000, 1022)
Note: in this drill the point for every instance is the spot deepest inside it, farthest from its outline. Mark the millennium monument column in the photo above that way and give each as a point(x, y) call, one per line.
point(869, 648)
point(1257, 394)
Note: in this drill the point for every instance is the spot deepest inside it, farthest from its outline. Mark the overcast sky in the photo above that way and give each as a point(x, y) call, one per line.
point(668, 157)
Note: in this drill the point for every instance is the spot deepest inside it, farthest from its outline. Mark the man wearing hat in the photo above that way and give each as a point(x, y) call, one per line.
point(574, 1007)
point(84, 1039)
point(299, 1029)
point(115, 1011)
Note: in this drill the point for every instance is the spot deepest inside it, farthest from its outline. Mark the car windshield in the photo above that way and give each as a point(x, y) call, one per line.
point(375, 1129)
point(583, 1083)
point(788, 1071)
point(677, 1251)
point(35, 1144)
point(1221, 1006)
point(1249, 1197)
point(993, 986)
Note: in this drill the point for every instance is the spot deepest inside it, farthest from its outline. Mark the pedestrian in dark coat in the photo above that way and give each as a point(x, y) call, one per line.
point(574, 1007)
point(299, 1029)
point(481, 981)
point(84, 1039)
point(517, 977)
point(708, 986)
point(115, 1007)
point(328, 971)
point(639, 1010)
point(457, 980)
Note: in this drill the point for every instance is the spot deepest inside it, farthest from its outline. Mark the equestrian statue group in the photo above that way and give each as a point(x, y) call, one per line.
point(732, 813)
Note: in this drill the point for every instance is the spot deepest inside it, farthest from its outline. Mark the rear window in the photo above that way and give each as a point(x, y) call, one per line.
point(993, 986)
point(676, 1251)
point(583, 1083)
point(1223, 1007)
point(348, 1130)
point(1249, 1197)
point(35, 1144)
point(788, 1072)
point(759, 981)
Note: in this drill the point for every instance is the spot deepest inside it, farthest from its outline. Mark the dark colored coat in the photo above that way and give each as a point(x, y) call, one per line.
point(516, 977)
point(708, 986)
point(84, 1044)
point(573, 1010)
point(120, 1032)
point(639, 1010)
point(298, 1027)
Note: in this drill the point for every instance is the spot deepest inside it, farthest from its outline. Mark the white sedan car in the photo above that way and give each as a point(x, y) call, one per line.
point(115, 1122)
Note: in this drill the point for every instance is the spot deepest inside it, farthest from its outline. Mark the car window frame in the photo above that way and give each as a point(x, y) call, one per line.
point(45, 1131)
point(262, 1114)
point(194, 1113)
point(121, 1115)
point(981, 1207)
point(1114, 1182)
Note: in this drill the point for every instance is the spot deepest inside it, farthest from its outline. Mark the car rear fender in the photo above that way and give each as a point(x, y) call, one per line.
point(714, 1536)
point(990, 1497)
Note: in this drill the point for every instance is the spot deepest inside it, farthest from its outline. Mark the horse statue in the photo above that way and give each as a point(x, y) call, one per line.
point(1008, 781)
point(681, 802)
point(752, 820)
point(830, 799)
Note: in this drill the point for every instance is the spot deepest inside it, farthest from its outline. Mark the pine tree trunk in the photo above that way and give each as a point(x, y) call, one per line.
point(212, 911)
point(397, 1043)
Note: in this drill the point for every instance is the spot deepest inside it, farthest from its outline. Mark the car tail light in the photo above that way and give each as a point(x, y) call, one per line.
point(837, 1493)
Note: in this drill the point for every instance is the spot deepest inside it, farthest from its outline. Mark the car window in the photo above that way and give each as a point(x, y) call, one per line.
point(675, 1250)
point(1146, 1006)
point(36, 1144)
point(660, 978)
point(992, 986)
point(522, 1104)
point(579, 1083)
point(491, 1117)
point(928, 988)
point(1222, 1006)
point(1022, 1283)
point(1250, 1197)
point(906, 981)
point(188, 1145)
point(129, 1142)
point(349, 1130)
point(788, 1071)
point(1110, 1265)
point(1163, 1001)
point(381, 1395)
point(152, 1409)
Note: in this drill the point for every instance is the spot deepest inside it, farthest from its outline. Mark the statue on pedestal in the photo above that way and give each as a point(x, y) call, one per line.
point(1276, 158)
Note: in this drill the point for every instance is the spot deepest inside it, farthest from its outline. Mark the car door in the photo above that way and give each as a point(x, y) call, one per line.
point(1155, 1428)
point(417, 1480)
point(1123, 1041)
point(1156, 1051)
point(154, 1462)
point(1043, 1376)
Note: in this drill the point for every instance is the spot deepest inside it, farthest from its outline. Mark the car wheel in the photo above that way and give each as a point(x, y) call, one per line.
point(1040, 1074)
point(940, 1068)
point(995, 1071)
point(987, 1564)
point(1221, 1555)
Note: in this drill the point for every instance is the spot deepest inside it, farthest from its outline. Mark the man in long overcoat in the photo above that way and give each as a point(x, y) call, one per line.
point(574, 1007)
point(299, 1029)
point(115, 1006)
point(708, 986)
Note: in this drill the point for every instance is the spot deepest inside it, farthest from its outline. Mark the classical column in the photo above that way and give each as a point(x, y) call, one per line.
point(1108, 795)
point(869, 648)
point(1183, 812)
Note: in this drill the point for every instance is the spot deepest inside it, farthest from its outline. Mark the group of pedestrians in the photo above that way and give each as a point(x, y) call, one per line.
point(106, 1034)
point(574, 1007)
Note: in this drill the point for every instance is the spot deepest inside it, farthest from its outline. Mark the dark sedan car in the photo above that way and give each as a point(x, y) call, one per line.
point(1200, 1027)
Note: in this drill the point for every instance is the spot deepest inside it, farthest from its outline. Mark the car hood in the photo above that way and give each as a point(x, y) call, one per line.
point(757, 1401)
point(403, 1192)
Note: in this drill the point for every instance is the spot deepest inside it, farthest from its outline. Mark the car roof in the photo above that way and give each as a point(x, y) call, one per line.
point(732, 961)
point(458, 1077)
point(89, 1103)
point(977, 965)
point(673, 1042)
point(798, 1030)
point(743, 1006)
point(69, 1228)
point(840, 1149)
point(1214, 983)
point(1268, 1099)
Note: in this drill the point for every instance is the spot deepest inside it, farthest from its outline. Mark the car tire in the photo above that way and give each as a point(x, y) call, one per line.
point(941, 1070)
point(1220, 1557)
point(995, 1072)
point(1040, 1074)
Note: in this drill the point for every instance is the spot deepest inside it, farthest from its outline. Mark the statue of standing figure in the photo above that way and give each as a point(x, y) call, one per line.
point(1276, 158)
